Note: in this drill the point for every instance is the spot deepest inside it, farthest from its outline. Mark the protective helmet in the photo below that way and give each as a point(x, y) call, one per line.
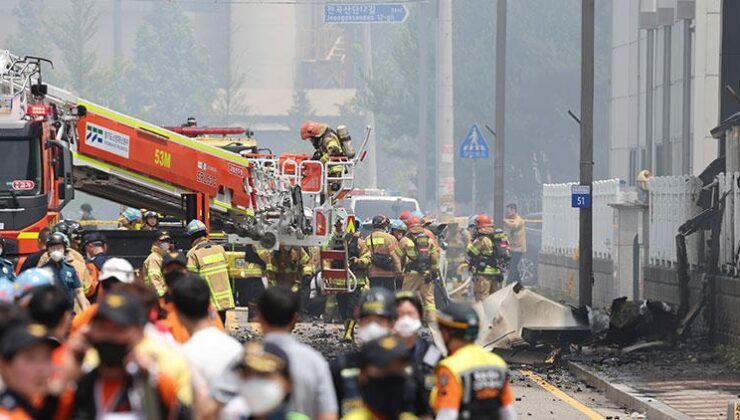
point(74, 229)
point(461, 319)
point(310, 129)
point(57, 238)
point(471, 221)
point(94, 238)
point(483, 220)
point(378, 301)
point(62, 227)
point(398, 224)
point(417, 213)
point(196, 226)
point(131, 214)
point(7, 290)
point(151, 213)
point(413, 222)
point(380, 222)
point(405, 215)
point(31, 278)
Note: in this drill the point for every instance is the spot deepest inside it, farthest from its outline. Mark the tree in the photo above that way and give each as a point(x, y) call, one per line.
point(72, 35)
point(230, 99)
point(171, 78)
point(300, 111)
point(27, 41)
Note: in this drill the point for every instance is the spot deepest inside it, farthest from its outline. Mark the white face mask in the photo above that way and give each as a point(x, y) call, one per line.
point(407, 326)
point(371, 331)
point(262, 395)
point(56, 255)
point(165, 246)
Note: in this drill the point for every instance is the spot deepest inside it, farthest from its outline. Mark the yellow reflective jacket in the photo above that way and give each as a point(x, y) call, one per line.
point(209, 261)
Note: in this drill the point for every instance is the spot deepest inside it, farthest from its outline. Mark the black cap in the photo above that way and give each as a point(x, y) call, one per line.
point(95, 238)
point(382, 351)
point(378, 301)
point(122, 308)
point(23, 336)
point(265, 358)
point(461, 318)
point(380, 222)
point(56, 238)
point(174, 258)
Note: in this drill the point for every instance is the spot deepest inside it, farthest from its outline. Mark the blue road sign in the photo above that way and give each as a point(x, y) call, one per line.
point(580, 196)
point(365, 13)
point(474, 146)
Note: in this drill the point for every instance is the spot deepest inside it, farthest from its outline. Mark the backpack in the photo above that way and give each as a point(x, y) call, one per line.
point(382, 261)
point(423, 260)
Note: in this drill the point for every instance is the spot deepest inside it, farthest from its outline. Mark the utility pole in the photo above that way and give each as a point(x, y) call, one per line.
point(367, 72)
point(500, 140)
point(423, 132)
point(445, 111)
point(585, 231)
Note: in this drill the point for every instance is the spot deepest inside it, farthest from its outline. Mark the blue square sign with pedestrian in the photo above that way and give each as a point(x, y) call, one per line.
point(475, 145)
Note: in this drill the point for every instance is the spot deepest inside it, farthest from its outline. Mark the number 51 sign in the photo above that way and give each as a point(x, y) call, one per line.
point(580, 196)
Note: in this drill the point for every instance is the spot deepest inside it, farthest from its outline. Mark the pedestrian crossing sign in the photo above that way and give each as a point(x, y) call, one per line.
point(474, 146)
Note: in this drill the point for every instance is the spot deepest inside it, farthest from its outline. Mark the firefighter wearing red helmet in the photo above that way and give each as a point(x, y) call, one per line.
point(419, 255)
point(327, 144)
point(485, 257)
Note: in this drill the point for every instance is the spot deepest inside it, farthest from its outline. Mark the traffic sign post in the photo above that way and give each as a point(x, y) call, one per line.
point(474, 147)
point(365, 13)
point(580, 196)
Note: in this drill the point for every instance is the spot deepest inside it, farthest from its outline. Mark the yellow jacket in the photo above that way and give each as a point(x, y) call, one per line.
point(152, 270)
point(517, 234)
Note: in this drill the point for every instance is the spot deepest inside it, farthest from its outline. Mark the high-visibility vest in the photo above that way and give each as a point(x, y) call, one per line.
point(482, 375)
point(209, 261)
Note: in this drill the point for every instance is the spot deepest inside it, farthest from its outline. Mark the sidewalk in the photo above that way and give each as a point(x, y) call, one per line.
point(677, 383)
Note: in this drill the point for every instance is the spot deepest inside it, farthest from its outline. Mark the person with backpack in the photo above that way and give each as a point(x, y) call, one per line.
point(486, 255)
point(380, 257)
point(419, 256)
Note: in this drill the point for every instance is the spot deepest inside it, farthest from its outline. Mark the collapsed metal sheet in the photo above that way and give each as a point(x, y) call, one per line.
point(506, 312)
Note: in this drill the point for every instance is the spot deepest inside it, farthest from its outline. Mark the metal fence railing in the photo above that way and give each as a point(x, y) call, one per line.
point(560, 220)
point(672, 203)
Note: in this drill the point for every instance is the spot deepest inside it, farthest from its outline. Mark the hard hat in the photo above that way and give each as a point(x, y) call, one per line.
point(380, 222)
point(57, 238)
point(461, 319)
point(378, 301)
point(62, 227)
point(471, 220)
point(413, 222)
point(119, 269)
point(398, 224)
point(309, 129)
point(94, 238)
point(7, 290)
point(483, 220)
point(31, 278)
point(74, 228)
point(417, 213)
point(131, 214)
point(164, 236)
point(151, 213)
point(196, 226)
point(405, 215)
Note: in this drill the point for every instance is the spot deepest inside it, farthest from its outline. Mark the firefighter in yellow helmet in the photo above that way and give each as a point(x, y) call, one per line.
point(419, 256)
point(209, 261)
point(486, 255)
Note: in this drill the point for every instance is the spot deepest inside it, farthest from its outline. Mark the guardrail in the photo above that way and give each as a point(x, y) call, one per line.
point(560, 220)
point(672, 203)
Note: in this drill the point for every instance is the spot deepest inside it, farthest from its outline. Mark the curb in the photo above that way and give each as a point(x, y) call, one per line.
point(624, 394)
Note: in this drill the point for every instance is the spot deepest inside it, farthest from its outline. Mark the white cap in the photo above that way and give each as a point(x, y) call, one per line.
point(119, 268)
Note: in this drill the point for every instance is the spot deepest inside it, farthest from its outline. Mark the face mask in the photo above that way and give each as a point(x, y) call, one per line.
point(166, 247)
point(56, 255)
point(407, 326)
point(371, 331)
point(262, 395)
point(375, 394)
point(111, 353)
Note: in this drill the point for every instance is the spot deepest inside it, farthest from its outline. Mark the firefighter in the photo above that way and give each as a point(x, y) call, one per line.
point(130, 219)
point(246, 269)
point(327, 145)
point(7, 270)
point(419, 256)
point(398, 229)
point(348, 301)
point(152, 268)
point(209, 261)
point(471, 383)
point(380, 256)
point(64, 274)
point(484, 258)
point(151, 220)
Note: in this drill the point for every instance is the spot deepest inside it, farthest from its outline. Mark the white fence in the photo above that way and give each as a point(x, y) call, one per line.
point(672, 201)
point(560, 220)
point(730, 234)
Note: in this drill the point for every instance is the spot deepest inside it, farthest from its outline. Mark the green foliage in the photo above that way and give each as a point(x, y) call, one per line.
point(230, 101)
point(171, 78)
point(29, 14)
point(72, 34)
point(300, 111)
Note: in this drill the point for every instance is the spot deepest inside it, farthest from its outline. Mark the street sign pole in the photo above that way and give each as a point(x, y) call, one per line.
point(585, 226)
point(475, 186)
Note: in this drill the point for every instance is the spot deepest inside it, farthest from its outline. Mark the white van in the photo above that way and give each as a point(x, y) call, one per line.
point(366, 203)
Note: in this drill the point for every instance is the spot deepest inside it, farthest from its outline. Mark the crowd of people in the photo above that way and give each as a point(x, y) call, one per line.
point(86, 335)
